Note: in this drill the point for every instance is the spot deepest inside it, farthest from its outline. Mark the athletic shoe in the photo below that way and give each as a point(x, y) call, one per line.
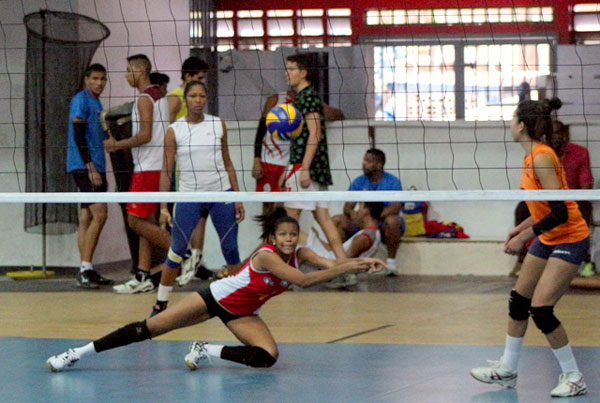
point(495, 373)
point(57, 363)
point(197, 353)
point(187, 272)
point(134, 286)
point(201, 272)
point(588, 270)
point(343, 281)
point(158, 307)
point(86, 280)
point(98, 279)
point(570, 384)
point(391, 270)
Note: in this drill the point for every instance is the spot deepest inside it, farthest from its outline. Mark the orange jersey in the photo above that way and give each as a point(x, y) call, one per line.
point(575, 229)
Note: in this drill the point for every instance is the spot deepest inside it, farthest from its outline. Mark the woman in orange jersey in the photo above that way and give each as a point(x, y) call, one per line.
point(553, 258)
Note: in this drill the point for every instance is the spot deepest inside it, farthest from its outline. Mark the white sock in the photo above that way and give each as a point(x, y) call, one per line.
point(391, 264)
point(512, 351)
point(197, 252)
point(214, 350)
point(565, 358)
point(85, 350)
point(163, 293)
point(86, 266)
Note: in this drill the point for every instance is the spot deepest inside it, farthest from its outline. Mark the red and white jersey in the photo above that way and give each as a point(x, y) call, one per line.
point(247, 291)
point(275, 151)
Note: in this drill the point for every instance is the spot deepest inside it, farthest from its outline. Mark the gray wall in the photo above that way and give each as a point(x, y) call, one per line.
point(246, 78)
point(436, 156)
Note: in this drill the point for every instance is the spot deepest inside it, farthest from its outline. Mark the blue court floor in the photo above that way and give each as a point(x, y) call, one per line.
point(154, 372)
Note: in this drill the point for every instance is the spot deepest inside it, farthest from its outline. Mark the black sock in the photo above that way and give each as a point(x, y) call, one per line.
point(131, 333)
point(162, 304)
point(141, 275)
point(248, 355)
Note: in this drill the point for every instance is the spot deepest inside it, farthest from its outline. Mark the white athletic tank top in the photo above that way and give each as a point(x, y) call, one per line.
point(275, 151)
point(200, 155)
point(149, 157)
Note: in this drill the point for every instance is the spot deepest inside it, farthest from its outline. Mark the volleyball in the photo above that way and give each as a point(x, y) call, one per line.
point(285, 122)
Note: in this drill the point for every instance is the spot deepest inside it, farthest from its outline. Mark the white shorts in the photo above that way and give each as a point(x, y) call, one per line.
point(292, 184)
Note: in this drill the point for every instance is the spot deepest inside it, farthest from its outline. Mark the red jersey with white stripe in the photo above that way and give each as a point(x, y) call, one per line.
point(247, 291)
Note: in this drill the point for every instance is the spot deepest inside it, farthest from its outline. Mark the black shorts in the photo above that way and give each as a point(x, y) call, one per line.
point(214, 309)
point(573, 253)
point(82, 180)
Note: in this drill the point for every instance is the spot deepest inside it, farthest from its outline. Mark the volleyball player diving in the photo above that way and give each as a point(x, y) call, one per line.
point(236, 300)
point(552, 260)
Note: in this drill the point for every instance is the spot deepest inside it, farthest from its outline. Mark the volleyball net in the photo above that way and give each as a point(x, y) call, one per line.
point(433, 87)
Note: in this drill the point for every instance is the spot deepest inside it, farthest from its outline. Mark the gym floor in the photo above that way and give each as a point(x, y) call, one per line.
point(403, 339)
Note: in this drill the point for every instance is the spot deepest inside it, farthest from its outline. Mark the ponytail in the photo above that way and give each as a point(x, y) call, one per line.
point(536, 116)
point(270, 222)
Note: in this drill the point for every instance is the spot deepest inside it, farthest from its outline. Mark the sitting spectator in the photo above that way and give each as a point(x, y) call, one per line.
point(363, 243)
point(391, 222)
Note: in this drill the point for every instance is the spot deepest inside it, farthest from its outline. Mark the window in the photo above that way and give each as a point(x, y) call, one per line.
point(494, 76)
point(275, 28)
point(586, 23)
point(452, 16)
point(415, 82)
point(276, 43)
point(420, 82)
point(280, 27)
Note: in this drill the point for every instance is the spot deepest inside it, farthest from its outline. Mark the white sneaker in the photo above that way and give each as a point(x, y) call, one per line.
point(391, 270)
point(134, 286)
point(57, 363)
point(570, 384)
point(187, 271)
point(343, 281)
point(197, 353)
point(495, 373)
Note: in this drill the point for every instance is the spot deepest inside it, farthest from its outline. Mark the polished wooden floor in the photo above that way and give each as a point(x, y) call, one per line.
point(435, 318)
point(404, 339)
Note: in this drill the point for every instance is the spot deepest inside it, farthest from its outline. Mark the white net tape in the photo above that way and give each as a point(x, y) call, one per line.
point(331, 196)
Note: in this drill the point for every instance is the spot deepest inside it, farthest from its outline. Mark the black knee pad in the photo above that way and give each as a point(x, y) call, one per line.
point(259, 358)
point(518, 306)
point(544, 318)
point(131, 333)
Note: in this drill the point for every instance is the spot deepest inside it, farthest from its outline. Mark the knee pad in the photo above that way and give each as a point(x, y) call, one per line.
point(518, 306)
point(259, 358)
point(544, 318)
point(174, 259)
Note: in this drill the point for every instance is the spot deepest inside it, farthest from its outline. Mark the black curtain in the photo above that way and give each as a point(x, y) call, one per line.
point(59, 48)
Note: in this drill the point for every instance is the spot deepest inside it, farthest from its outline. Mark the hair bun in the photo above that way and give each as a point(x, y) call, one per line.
point(555, 103)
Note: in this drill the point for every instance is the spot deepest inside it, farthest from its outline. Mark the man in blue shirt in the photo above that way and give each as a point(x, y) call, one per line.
point(391, 222)
point(87, 165)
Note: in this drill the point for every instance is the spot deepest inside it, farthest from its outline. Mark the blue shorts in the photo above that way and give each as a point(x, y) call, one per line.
point(569, 252)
